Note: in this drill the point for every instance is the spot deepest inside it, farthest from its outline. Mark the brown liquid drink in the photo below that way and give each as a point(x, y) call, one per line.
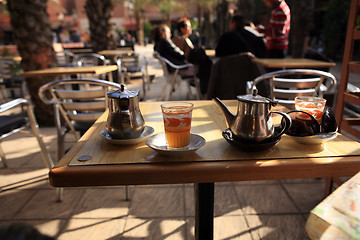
point(177, 123)
point(312, 105)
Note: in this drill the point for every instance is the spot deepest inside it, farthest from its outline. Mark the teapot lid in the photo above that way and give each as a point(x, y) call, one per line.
point(254, 98)
point(122, 93)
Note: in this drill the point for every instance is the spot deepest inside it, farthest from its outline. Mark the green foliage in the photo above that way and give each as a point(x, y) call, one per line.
point(207, 4)
point(194, 23)
point(147, 29)
point(167, 6)
point(334, 20)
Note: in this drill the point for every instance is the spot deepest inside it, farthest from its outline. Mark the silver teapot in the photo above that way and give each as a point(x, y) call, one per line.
point(253, 120)
point(124, 120)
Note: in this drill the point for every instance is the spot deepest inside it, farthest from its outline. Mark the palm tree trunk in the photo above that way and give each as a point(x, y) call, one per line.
point(99, 13)
point(33, 37)
point(139, 16)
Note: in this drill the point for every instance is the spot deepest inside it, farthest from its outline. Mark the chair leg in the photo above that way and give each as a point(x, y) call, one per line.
point(328, 186)
point(197, 88)
point(144, 84)
point(2, 155)
point(163, 89)
point(35, 129)
point(147, 77)
point(127, 193)
point(60, 194)
point(4, 94)
point(189, 89)
point(172, 85)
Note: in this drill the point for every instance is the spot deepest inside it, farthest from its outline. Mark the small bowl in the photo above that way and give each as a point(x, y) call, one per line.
point(316, 139)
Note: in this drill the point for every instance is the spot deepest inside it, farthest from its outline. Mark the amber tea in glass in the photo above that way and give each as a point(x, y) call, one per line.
point(177, 123)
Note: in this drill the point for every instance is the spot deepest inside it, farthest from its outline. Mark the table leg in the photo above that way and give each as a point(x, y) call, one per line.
point(204, 211)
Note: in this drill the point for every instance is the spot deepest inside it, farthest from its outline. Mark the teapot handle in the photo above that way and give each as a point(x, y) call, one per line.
point(287, 119)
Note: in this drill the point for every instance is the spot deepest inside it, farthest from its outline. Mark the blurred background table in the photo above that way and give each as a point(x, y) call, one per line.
point(292, 63)
point(59, 71)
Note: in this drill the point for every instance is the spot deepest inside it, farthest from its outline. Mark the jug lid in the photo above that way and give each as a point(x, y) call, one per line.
point(122, 93)
point(255, 98)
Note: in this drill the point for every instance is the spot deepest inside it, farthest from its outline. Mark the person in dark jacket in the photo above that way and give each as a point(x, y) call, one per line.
point(167, 49)
point(239, 40)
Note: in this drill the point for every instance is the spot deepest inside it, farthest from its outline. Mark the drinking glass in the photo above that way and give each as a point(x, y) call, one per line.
point(312, 105)
point(177, 123)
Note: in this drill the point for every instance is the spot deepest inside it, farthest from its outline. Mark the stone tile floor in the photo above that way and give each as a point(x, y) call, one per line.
point(243, 210)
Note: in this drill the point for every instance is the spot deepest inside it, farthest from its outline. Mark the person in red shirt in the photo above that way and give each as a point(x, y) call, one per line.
point(278, 29)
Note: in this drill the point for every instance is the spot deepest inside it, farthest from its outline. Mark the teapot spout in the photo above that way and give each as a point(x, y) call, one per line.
point(230, 117)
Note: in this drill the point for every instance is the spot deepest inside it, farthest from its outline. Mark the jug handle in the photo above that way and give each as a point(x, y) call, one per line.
point(287, 119)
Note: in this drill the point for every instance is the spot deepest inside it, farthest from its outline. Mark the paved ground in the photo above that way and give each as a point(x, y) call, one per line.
point(243, 210)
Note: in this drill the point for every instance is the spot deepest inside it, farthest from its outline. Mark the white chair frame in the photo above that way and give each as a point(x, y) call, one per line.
point(171, 79)
point(284, 90)
point(31, 128)
point(81, 106)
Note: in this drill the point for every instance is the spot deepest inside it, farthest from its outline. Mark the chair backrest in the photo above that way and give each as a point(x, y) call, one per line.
point(89, 59)
point(285, 85)
point(130, 61)
point(162, 62)
point(229, 76)
point(78, 100)
point(165, 62)
point(65, 58)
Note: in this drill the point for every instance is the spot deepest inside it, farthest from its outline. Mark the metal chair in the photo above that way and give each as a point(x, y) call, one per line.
point(172, 79)
point(90, 59)
point(285, 85)
point(65, 58)
point(23, 121)
point(78, 108)
point(134, 65)
point(9, 79)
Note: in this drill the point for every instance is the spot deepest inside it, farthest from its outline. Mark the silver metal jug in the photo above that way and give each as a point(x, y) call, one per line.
point(253, 120)
point(124, 120)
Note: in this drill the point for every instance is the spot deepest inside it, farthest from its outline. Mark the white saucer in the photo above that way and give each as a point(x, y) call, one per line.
point(145, 134)
point(158, 143)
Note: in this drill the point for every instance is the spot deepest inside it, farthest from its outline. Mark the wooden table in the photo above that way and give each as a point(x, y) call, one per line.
point(337, 216)
point(13, 58)
point(292, 63)
point(217, 161)
point(56, 71)
point(129, 59)
point(117, 52)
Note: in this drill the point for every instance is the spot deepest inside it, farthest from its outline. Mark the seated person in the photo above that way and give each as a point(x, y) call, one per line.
point(167, 49)
point(182, 41)
point(239, 40)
